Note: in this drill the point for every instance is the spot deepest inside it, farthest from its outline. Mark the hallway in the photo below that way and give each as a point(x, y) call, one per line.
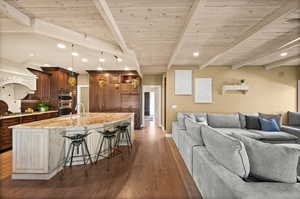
point(153, 170)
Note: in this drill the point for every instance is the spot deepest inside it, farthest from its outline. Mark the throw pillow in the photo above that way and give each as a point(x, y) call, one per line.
point(193, 129)
point(252, 122)
point(201, 120)
point(271, 162)
point(268, 125)
point(242, 117)
point(224, 120)
point(181, 119)
point(228, 151)
point(190, 116)
point(277, 117)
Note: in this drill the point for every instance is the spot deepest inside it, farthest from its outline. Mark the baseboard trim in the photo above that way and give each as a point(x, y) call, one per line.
point(168, 135)
point(35, 176)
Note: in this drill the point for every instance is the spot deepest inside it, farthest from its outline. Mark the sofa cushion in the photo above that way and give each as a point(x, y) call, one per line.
point(293, 118)
point(295, 146)
point(280, 135)
point(227, 150)
point(252, 122)
point(193, 129)
point(294, 130)
point(271, 162)
point(242, 117)
point(269, 125)
point(230, 131)
point(224, 120)
point(277, 117)
point(182, 115)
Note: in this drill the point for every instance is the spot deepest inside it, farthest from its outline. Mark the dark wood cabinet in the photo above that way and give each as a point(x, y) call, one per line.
point(42, 85)
point(115, 91)
point(61, 82)
point(6, 132)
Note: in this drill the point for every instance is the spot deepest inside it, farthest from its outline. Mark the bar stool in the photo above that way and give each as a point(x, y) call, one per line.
point(77, 141)
point(123, 132)
point(108, 137)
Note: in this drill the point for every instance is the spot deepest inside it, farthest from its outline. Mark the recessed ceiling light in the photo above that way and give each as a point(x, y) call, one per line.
point(84, 60)
point(70, 68)
point(283, 54)
point(101, 60)
point(75, 54)
point(196, 54)
point(126, 68)
point(60, 45)
point(99, 68)
point(31, 54)
point(119, 59)
point(46, 65)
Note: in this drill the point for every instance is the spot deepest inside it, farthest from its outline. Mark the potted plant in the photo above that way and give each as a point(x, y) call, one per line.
point(243, 82)
point(134, 83)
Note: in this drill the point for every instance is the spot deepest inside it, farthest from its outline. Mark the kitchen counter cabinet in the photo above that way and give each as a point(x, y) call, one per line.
point(7, 121)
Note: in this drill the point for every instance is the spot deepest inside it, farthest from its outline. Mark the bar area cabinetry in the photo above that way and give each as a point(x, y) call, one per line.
point(116, 91)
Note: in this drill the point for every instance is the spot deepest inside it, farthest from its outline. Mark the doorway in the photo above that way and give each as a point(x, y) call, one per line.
point(151, 104)
point(83, 97)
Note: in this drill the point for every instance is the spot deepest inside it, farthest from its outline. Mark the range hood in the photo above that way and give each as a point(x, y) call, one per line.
point(16, 82)
point(12, 73)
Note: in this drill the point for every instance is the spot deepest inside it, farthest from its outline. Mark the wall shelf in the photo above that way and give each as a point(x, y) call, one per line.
point(242, 88)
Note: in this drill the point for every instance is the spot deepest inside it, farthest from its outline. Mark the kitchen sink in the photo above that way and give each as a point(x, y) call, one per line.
point(74, 117)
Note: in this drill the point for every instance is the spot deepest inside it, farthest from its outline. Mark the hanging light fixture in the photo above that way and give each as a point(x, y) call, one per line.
point(101, 59)
point(118, 59)
point(72, 79)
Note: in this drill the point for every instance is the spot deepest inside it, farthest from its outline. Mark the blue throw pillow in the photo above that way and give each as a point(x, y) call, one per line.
point(269, 125)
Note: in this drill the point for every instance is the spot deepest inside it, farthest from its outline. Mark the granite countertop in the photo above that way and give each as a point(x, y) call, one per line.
point(75, 120)
point(26, 114)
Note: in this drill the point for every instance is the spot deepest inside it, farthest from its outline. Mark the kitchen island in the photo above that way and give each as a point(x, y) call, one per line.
point(39, 148)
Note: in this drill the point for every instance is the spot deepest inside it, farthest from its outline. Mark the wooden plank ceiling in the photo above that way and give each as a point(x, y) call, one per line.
point(79, 15)
point(236, 33)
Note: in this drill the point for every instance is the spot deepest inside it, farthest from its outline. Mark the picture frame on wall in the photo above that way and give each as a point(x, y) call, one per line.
point(183, 82)
point(203, 90)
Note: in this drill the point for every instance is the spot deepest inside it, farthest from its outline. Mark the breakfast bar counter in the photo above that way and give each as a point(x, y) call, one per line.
point(39, 148)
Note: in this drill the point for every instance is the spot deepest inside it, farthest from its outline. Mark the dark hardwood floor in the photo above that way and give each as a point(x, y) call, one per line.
point(154, 170)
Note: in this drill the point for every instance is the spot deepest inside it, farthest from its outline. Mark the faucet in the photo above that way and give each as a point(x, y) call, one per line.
point(80, 108)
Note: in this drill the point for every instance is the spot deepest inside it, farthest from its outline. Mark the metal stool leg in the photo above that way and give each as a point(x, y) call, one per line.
point(102, 141)
point(87, 150)
point(73, 148)
point(117, 141)
point(83, 153)
point(129, 136)
point(128, 142)
point(108, 156)
point(68, 154)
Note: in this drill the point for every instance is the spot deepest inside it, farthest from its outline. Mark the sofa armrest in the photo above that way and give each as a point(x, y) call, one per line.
point(291, 130)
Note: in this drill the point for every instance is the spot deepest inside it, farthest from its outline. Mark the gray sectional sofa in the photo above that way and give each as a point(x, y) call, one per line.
point(206, 141)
